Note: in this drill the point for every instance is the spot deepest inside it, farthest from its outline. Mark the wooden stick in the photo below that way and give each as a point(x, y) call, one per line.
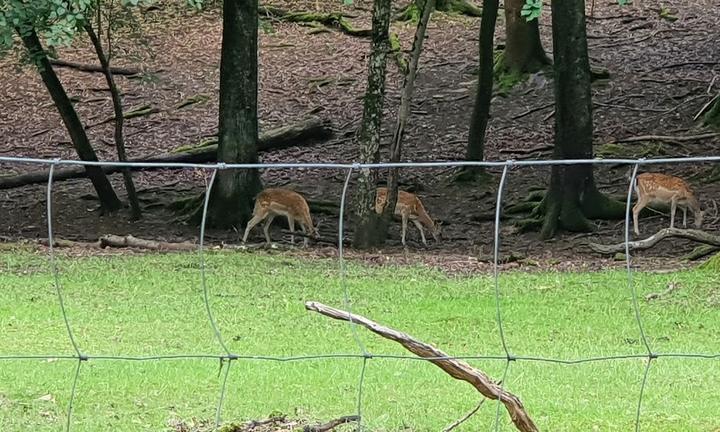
point(457, 369)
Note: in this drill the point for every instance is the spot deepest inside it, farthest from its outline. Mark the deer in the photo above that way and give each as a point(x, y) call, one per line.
point(656, 188)
point(272, 202)
point(408, 207)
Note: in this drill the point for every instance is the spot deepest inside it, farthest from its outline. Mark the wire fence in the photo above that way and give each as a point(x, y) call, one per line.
point(353, 168)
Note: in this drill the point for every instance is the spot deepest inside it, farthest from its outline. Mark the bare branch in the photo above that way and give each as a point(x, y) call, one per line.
point(690, 234)
point(457, 369)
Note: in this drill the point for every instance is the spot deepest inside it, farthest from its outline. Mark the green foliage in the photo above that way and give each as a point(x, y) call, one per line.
point(531, 9)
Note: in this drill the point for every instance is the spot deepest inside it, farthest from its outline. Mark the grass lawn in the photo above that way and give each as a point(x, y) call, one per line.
point(153, 305)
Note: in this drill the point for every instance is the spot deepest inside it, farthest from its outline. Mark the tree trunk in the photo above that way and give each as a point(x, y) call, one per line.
point(404, 111)
point(135, 211)
point(231, 200)
point(368, 228)
point(524, 52)
point(483, 96)
point(109, 201)
point(573, 197)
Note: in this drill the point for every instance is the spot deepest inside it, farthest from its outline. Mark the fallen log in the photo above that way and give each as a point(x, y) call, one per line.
point(335, 20)
point(457, 369)
point(65, 243)
point(312, 129)
point(83, 67)
point(690, 234)
point(116, 241)
point(111, 240)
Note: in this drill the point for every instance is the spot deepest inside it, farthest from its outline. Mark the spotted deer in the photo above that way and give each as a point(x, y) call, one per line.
point(408, 207)
point(663, 189)
point(273, 202)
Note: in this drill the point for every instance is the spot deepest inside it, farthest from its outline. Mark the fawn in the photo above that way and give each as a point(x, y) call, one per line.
point(273, 202)
point(656, 188)
point(409, 207)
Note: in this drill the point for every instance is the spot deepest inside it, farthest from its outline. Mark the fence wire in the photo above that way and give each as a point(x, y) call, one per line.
point(227, 357)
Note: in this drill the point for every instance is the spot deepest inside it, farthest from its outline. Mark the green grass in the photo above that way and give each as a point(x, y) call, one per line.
point(153, 305)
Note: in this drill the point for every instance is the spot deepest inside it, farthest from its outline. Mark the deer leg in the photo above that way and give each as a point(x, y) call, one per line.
point(404, 227)
point(251, 223)
point(684, 209)
point(673, 209)
point(266, 228)
point(291, 224)
point(307, 233)
point(641, 203)
point(420, 228)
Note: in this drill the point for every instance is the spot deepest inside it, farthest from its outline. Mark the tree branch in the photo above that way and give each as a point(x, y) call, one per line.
point(690, 234)
point(84, 67)
point(670, 138)
point(457, 369)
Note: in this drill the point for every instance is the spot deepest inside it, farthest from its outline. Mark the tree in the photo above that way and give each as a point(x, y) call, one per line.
point(231, 200)
point(109, 201)
point(523, 52)
point(483, 95)
point(404, 111)
point(572, 196)
point(117, 106)
point(369, 231)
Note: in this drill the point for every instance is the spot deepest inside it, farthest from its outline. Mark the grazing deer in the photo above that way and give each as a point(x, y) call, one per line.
point(656, 188)
point(273, 202)
point(408, 207)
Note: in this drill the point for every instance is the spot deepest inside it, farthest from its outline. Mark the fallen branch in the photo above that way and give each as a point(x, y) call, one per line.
point(335, 20)
point(700, 252)
point(667, 138)
point(140, 111)
point(111, 240)
point(83, 67)
point(464, 418)
point(64, 243)
point(457, 369)
point(332, 424)
point(690, 234)
point(312, 129)
point(532, 110)
point(691, 63)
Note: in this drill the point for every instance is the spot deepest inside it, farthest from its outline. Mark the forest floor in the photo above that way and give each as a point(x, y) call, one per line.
point(662, 72)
